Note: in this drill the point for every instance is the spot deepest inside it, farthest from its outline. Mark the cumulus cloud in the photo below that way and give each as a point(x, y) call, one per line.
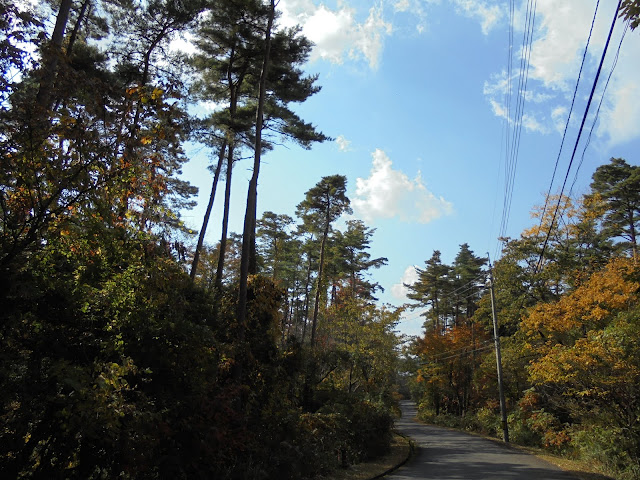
point(497, 85)
point(559, 117)
point(401, 6)
point(488, 15)
point(620, 120)
point(389, 193)
point(409, 277)
point(343, 144)
point(337, 34)
point(559, 41)
point(499, 110)
point(532, 124)
point(561, 37)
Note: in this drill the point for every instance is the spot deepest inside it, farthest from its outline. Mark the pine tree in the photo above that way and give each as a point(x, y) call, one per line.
point(617, 186)
point(323, 205)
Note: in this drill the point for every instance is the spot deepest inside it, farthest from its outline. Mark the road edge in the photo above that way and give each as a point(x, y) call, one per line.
point(412, 451)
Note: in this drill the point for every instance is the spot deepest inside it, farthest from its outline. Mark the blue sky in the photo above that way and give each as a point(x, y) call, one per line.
point(413, 91)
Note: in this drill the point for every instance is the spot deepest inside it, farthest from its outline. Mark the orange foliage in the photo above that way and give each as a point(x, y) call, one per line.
point(584, 354)
point(452, 348)
point(587, 307)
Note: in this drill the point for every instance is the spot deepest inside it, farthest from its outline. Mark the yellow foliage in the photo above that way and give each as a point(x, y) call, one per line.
point(157, 93)
point(587, 307)
point(593, 367)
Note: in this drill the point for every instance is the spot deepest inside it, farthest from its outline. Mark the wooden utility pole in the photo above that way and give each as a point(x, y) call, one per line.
point(496, 338)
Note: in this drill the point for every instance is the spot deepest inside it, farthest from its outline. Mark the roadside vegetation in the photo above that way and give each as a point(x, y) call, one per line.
point(129, 348)
point(567, 303)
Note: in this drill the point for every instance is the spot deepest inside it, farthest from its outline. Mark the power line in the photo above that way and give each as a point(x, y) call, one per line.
point(584, 118)
point(564, 134)
point(513, 143)
point(527, 44)
point(486, 347)
point(505, 137)
point(460, 349)
point(595, 118)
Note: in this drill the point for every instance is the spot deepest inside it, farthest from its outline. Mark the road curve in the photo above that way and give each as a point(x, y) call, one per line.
point(444, 454)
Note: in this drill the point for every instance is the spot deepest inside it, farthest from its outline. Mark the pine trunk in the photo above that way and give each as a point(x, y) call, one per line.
point(252, 195)
point(207, 213)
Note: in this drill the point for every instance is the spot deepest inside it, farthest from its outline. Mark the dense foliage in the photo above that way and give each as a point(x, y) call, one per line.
point(114, 361)
point(569, 329)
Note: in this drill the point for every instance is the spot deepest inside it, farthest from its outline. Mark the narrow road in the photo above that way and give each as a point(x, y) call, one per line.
point(444, 454)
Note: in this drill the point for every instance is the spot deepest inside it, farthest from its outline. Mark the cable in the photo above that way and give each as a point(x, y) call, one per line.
point(524, 77)
point(584, 118)
point(513, 144)
point(575, 91)
point(459, 349)
point(487, 347)
point(595, 118)
point(505, 141)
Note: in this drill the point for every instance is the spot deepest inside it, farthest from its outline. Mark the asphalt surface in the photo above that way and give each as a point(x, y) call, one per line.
point(444, 454)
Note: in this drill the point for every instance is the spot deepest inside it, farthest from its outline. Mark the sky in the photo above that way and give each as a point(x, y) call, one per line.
point(414, 95)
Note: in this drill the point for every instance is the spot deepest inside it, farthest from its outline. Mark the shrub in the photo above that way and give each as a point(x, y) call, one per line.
point(488, 421)
point(609, 446)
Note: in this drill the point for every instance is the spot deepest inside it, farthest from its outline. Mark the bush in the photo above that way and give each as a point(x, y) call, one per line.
point(488, 421)
point(609, 446)
point(520, 430)
point(319, 439)
point(368, 424)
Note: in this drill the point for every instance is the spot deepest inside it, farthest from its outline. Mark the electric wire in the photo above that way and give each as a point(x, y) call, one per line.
point(595, 118)
point(486, 347)
point(460, 349)
point(564, 134)
point(584, 118)
point(505, 141)
point(522, 91)
point(513, 139)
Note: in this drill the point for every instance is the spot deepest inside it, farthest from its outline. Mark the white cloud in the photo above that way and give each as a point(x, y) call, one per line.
point(401, 6)
point(498, 85)
point(499, 110)
point(409, 277)
point(559, 41)
point(389, 193)
point(532, 124)
point(343, 143)
point(537, 97)
point(183, 43)
point(336, 33)
point(489, 15)
point(559, 117)
point(620, 119)
point(561, 36)
point(529, 121)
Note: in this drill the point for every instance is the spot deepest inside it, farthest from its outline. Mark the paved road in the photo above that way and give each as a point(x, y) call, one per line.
point(444, 454)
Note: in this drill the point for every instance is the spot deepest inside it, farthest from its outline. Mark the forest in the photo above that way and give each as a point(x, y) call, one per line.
point(567, 304)
point(130, 348)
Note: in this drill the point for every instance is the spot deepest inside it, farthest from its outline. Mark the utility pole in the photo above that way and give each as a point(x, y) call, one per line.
point(496, 338)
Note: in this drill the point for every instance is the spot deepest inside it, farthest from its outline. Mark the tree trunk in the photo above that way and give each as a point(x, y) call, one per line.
point(207, 213)
point(316, 307)
point(76, 28)
point(250, 215)
point(54, 51)
point(225, 219)
point(306, 300)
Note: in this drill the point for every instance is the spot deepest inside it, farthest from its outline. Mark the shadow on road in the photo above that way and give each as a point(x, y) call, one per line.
point(449, 454)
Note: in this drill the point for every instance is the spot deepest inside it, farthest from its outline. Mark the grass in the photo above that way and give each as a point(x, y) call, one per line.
point(578, 468)
point(400, 451)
